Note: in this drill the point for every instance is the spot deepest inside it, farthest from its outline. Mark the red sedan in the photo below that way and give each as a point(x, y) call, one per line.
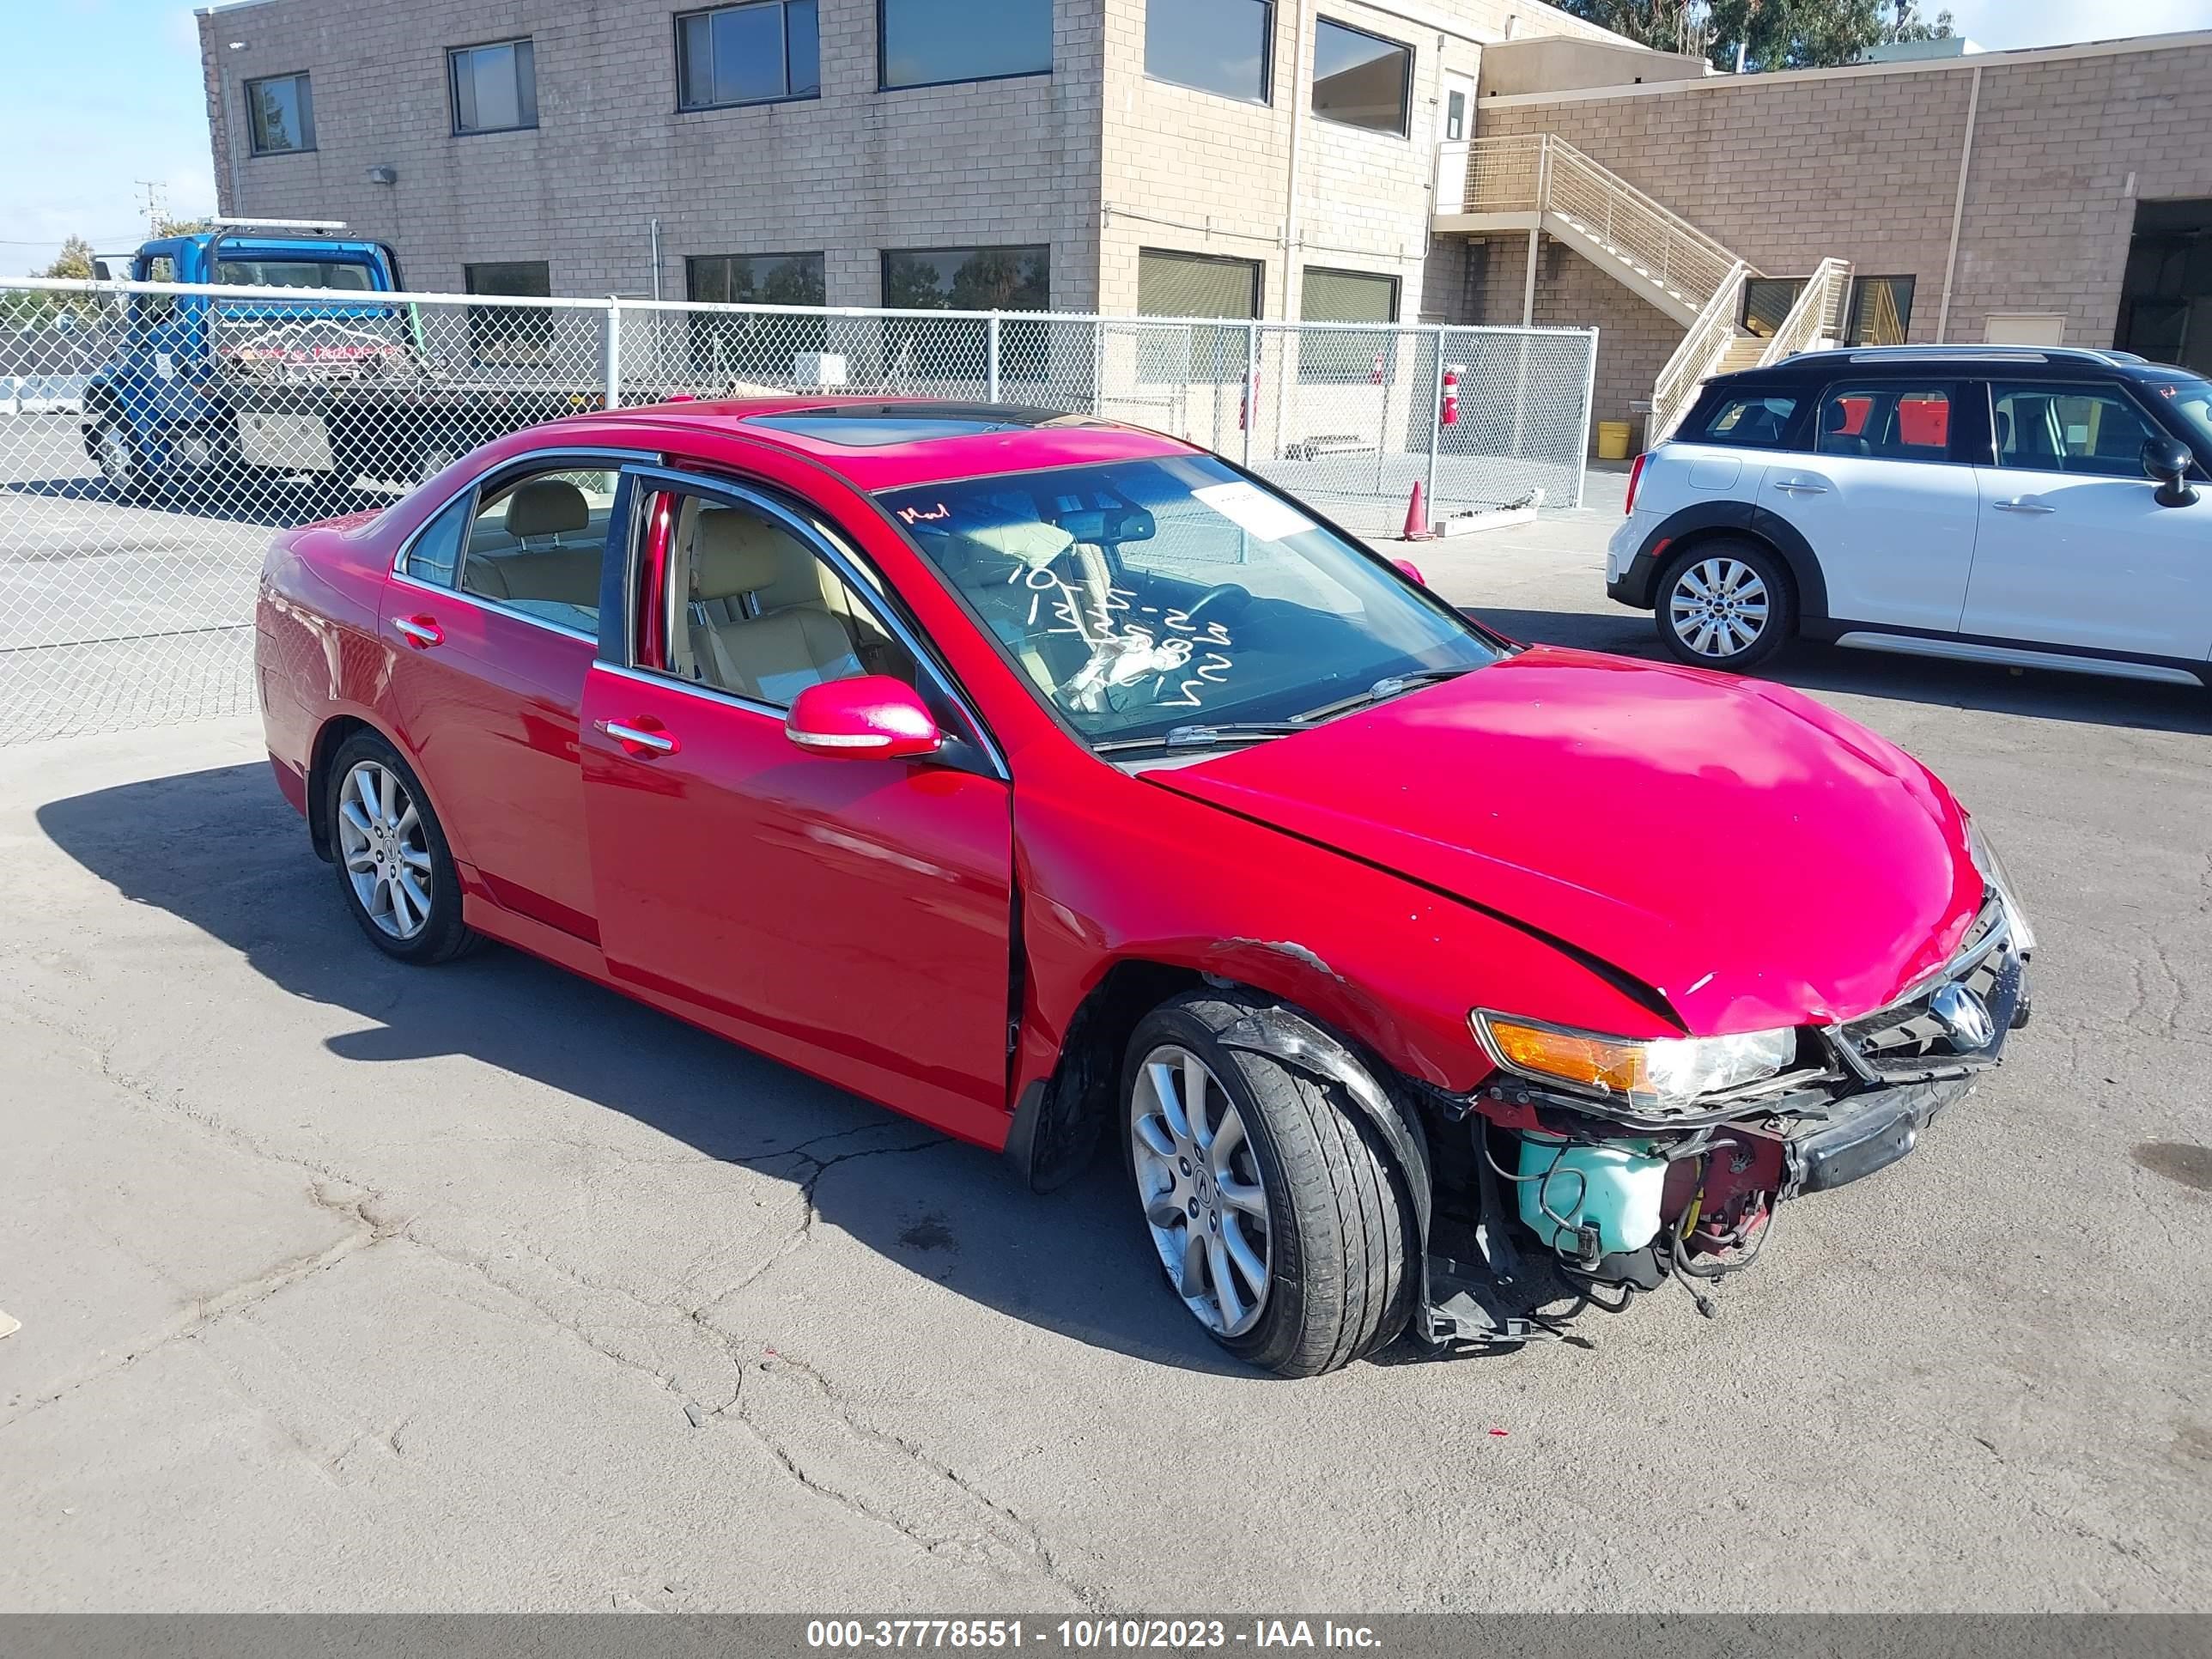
point(1045, 780)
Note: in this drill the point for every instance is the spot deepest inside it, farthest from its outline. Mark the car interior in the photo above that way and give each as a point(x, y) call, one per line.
point(1912, 424)
point(2052, 432)
point(764, 617)
point(537, 546)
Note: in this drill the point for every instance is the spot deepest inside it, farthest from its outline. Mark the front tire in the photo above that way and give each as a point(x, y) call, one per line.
point(1725, 604)
point(1278, 1215)
point(394, 868)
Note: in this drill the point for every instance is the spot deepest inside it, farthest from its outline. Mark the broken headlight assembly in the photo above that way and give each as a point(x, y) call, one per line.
point(1645, 1079)
point(1996, 876)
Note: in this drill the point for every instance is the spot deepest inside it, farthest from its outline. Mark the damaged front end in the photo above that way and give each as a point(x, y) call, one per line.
point(1588, 1163)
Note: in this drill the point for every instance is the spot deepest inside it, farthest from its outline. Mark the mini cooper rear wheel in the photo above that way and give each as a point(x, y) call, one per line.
point(1276, 1211)
point(393, 865)
point(1726, 604)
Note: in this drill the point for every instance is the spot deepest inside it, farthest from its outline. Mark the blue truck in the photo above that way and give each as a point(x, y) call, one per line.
point(207, 395)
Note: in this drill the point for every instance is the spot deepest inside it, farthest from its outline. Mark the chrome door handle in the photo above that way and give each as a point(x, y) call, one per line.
point(419, 631)
point(1799, 487)
point(659, 742)
point(2022, 507)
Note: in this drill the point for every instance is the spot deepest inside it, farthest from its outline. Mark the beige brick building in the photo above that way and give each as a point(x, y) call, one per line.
point(1074, 149)
point(1270, 158)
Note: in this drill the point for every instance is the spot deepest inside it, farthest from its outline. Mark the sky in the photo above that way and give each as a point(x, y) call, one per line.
point(78, 141)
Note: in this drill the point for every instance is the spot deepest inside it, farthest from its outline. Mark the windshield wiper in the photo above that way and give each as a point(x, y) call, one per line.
point(1390, 686)
point(1205, 737)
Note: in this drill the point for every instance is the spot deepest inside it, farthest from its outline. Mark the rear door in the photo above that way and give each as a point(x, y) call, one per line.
point(1887, 502)
point(850, 915)
point(2076, 549)
point(491, 617)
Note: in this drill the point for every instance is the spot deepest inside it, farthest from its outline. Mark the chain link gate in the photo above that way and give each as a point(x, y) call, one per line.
point(152, 434)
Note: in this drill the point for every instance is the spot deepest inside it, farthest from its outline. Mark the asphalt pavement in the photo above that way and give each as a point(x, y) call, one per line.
point(345, 1285)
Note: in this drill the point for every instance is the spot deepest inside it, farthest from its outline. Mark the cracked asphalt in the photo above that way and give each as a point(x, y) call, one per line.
point(347, 1286)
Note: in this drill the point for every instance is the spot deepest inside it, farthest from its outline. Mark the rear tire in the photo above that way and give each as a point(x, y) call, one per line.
point(395, 870)
point(1725, 604)
point(1338, 1232)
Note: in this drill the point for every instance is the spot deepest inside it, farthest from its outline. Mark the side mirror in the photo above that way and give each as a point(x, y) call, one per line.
point(1412, 572)
point(2168, 460)
point(874, 717)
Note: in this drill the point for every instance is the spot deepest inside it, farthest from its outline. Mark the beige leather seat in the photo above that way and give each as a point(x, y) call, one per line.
point(756, 623)
point(543, 511)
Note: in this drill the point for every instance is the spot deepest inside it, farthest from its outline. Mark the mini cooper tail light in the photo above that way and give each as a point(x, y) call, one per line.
point(1635, 477)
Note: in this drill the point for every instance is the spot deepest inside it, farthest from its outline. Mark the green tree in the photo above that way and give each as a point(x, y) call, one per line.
point(1766, 34)
point(75, 260)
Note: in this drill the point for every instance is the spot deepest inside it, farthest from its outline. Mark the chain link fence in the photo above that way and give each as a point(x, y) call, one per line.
point(152, 435)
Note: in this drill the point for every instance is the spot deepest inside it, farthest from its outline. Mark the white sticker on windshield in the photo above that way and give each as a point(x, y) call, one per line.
point(1255, 511)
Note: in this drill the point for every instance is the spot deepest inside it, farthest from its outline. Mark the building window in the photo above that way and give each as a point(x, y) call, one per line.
point(753, 345)
point(1215, 46)
point(510, 334)
point(750, 54)
point(1174, 284)
point(282, 113)
point(1455, 116)
point(968, 279)
point(927, 43)
point(1347, 296)
point(494, 86)
point(1361, 80)
point(1882, 311)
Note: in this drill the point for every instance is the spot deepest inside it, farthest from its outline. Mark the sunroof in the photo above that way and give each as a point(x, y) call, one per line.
point(874, 426)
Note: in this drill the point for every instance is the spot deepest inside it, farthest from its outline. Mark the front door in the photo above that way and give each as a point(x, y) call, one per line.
point(2074, 548)
point(1454, 128)
point(851, 917)
point(1888, 511)
point(492, 621)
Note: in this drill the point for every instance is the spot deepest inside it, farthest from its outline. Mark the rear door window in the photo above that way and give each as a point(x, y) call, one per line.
point(1886, 423)
point(535, 545)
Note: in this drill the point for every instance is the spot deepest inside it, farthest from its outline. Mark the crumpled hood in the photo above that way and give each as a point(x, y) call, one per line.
point(1754, 857)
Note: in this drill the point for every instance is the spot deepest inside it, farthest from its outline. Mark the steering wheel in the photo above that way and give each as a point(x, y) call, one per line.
point(1226, 597)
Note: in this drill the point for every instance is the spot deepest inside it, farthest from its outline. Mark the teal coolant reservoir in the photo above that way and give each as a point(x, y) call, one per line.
point(1614, 1187)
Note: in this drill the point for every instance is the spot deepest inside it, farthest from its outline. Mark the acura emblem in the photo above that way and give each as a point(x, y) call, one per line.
point(1965, 1016)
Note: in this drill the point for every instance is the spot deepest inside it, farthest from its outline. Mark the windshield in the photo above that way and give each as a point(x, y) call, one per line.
point(2194, 399)
point(1140, 596)
point(293, 273)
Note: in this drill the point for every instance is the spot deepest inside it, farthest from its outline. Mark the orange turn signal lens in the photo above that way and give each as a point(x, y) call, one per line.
point(1618, 1067)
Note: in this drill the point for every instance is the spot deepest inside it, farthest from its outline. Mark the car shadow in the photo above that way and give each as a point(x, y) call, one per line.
point(2086, 699)
point(233, 860)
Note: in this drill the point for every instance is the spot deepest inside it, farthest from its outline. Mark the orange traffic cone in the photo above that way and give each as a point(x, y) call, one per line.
point(1417, 518)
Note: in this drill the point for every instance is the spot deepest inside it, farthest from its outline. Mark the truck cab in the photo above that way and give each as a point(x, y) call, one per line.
point(186, 393)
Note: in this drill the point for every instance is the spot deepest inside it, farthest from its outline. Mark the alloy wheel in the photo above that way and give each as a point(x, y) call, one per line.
point(1198, 1178)
point(1719, 607)
point(385, 850)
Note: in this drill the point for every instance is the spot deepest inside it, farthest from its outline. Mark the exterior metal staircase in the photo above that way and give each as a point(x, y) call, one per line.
point(1537, 182)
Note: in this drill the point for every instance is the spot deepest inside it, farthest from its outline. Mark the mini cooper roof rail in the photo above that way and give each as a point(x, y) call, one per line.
point(1971, 354)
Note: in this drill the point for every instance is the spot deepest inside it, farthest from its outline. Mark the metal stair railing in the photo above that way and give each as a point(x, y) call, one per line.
point(1709, 341)
point(1817, 315)
point(1540, 173)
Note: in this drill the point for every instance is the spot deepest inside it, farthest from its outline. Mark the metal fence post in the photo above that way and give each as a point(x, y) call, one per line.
point(611, 354)
point(1098, 365)
point(1590, 402)
point(993, 351)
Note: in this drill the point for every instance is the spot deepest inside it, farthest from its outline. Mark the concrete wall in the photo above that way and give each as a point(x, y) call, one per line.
point(850, 173)
point(1556, 62)
point(1864, 163)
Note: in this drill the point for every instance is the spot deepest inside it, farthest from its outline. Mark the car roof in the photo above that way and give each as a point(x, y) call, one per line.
point(882, 443)
point(2044, 362)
